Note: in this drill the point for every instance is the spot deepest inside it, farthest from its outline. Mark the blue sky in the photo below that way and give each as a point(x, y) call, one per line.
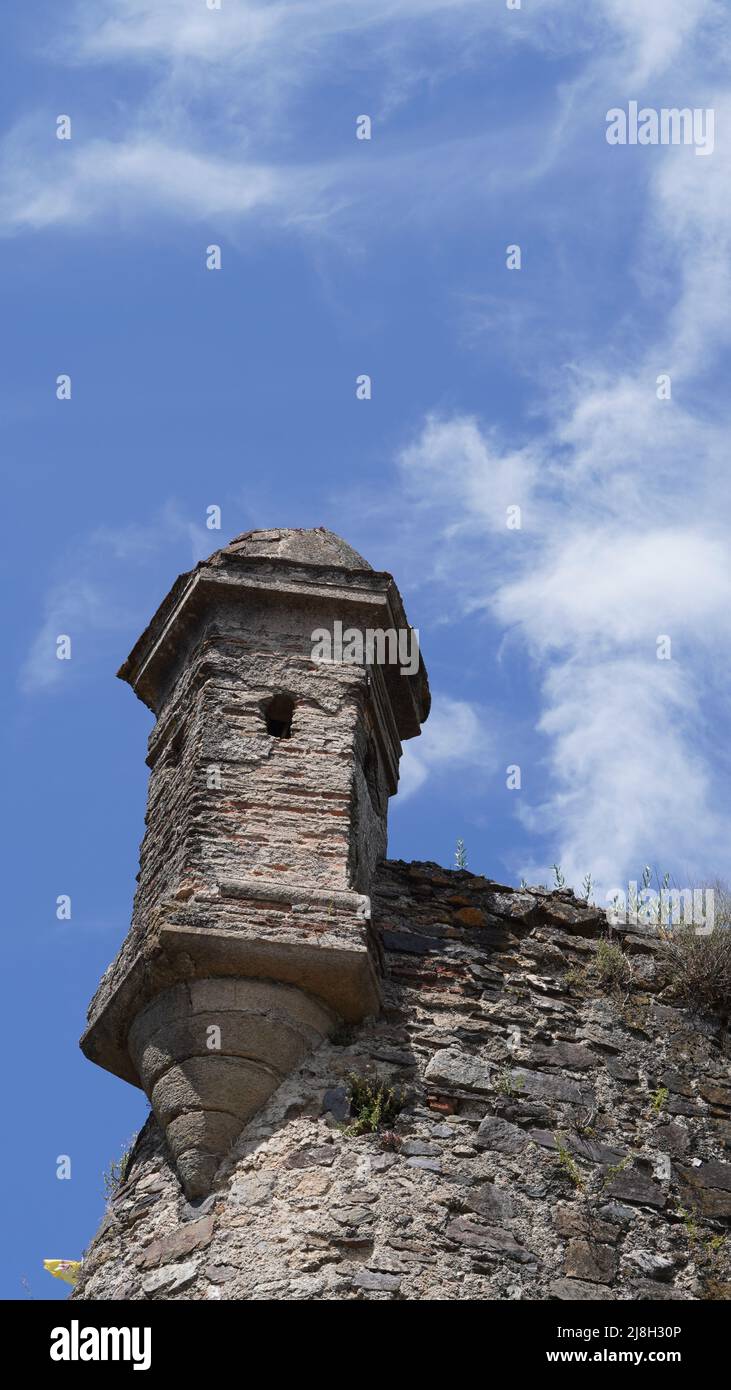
point(491, 388)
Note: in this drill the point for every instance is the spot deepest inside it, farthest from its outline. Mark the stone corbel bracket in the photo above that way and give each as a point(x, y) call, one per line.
point(272, 996)
point(332, 962)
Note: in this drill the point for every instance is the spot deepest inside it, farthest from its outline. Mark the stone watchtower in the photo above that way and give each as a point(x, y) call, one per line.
point(270, 773)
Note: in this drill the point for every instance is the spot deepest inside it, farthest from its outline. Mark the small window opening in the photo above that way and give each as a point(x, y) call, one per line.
point(278, 715)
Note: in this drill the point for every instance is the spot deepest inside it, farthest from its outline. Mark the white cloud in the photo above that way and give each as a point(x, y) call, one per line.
point(652, 33)
point(457, 455)
point(83, 601)
point(626, 513)
point(657, 32)
point(456, 737)
point(625, 775)
point(624, 498)
point(73, 607)
point(252, 62)
point(207, 137)
point(626, 546)
point(241, 31)
point(91, 180)
point(140, 541)
point(592, 591)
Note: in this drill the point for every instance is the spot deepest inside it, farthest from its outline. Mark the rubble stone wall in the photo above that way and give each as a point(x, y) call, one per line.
point(561, 1137)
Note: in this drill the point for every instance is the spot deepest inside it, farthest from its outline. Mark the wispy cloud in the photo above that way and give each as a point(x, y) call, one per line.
point(655, 33)
point(73, 607)
point(456, 738)
point(625, 517)
point(245, 30)
point(83, 600)
point(214, 133)
point(141, 175)
point(624, 499)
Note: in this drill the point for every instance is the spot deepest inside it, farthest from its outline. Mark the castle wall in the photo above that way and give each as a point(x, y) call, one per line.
point(560, 1139)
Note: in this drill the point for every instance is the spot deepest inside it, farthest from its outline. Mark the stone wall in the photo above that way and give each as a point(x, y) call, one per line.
point(561, 1137)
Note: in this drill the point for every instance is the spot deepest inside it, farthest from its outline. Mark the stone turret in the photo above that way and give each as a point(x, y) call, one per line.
point(270, 773)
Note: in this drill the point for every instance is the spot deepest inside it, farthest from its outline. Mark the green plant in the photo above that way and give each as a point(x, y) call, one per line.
point(611, 964)
point(699, 969)
point(643, 902)
point(707, 1255)
point(373, 1104)
point(558, 876)
point(575, 976)
point(508, 1084)
point(690, 1224)
point(585, 1122)
point(460, 855)
point(613, 1170)
point(587, 888)
point(633, 1011)
point(568, 1165)
point(116, 1171)
point(658, 1099)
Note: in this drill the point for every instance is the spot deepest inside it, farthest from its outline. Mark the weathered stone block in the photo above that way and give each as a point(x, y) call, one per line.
point(650, 1263)
point(564, 1056)
point(195, 1236)
point(373, 1282)
point(490, 1240)
point(458, 1070)
point(590, 1261)
point(631, 1186)
point(170, 1279)
point(498, 1134)
point(577, 1291)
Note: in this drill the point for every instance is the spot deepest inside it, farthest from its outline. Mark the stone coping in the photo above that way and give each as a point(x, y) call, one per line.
point(149, 659)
